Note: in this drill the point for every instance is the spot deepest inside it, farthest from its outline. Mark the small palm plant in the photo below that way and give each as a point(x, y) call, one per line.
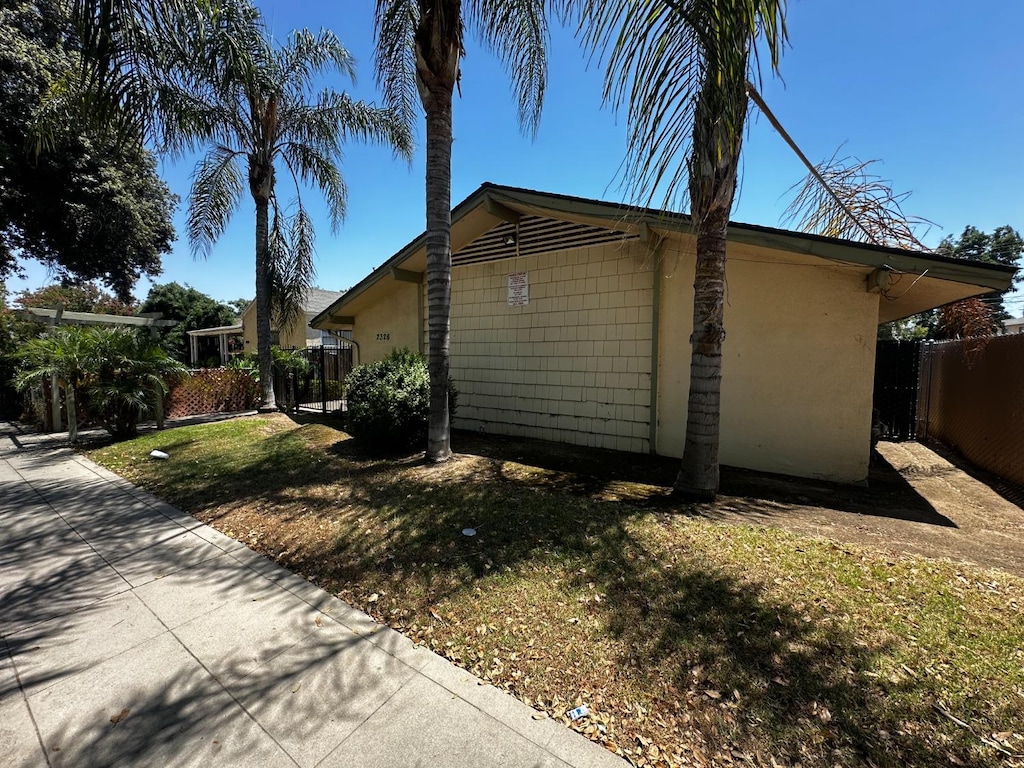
point(60, 358)
point(120, 375)
point(128, 379)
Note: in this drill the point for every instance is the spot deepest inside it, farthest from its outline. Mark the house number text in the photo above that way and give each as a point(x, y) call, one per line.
point(383, 337)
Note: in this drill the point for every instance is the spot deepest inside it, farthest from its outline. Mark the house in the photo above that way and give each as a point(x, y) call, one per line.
point(571, 319)
point(238, 339)
point(1013, 326)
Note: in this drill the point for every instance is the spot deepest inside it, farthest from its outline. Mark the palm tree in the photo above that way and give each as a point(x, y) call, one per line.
point(681, 68)
point(128, 378)
point(62, 358)
point(252, 105)
point(121, 374)
point(190, 74)
point(420, 45)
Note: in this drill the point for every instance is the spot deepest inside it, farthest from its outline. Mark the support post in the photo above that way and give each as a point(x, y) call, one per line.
point(158, 406)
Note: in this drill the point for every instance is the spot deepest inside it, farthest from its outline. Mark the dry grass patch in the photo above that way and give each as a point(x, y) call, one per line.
point(691, 642)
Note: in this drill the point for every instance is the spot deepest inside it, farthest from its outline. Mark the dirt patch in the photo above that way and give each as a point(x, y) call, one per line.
point(915, 501)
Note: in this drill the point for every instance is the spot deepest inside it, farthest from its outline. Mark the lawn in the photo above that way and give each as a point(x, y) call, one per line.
point(692, 642)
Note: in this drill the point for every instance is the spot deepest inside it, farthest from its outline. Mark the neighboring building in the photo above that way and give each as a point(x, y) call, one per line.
point(1013, 326)
point(571, 321)
point(239, 339)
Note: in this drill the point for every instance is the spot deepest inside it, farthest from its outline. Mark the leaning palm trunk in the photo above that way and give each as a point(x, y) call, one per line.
point(717, 137)
point(266, 359)
point(439, 269)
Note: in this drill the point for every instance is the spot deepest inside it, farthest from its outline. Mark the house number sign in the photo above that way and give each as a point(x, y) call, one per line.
point(518, 289)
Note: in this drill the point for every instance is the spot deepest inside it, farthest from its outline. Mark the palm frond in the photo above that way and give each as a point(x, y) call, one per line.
point(307, 164)
point(517, 32)
point(843, 199)
point(307, 54)
point(666, 59)
point(335, 117)
point(217, 186)
point(395, 23)
point(292, 267)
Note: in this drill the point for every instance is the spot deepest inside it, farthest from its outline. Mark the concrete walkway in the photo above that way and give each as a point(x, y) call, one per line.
point(133, 635)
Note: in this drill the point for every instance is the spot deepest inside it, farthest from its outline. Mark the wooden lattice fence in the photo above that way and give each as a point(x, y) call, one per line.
point(212, 390)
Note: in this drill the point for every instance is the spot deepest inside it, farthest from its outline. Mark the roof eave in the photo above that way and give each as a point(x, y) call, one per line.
point(995, 277)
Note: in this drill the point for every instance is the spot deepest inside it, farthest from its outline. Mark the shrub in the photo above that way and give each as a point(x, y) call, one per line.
point(119, 374)
point(389, 401)
point(334, 389)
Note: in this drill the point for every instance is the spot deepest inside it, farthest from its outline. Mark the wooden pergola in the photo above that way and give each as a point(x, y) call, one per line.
point(58, 316)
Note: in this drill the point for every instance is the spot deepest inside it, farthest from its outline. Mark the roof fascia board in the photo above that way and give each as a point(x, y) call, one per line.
point(994, 276)
point(511, 199)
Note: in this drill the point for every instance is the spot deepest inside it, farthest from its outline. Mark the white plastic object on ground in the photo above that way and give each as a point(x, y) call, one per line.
point(159, 455)
point(469, 531)
point(576, 714)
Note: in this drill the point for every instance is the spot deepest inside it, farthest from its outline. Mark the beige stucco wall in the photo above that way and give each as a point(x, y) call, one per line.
point(571, 366)
point(390, 322)
point(574, 365)
point(797, 367)
point(295, 335)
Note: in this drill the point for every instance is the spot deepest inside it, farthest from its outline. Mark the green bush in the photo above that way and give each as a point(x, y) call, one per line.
point(335, 390)
point(389, 402)
point(113, 375)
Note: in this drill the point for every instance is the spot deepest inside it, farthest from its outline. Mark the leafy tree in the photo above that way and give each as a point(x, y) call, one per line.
point(14, 332)
point(681, 70)
point(239, 305)
point(83, 297)
point(1003, 246)
point(87, 209)
point(419, 49)
point(250, 104)
point(192, 309)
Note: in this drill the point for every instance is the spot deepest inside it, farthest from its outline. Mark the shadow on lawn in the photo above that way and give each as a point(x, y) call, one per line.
point(798, 682)
point(590, 471)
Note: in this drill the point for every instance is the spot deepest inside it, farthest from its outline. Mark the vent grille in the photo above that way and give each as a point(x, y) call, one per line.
point(536, 235)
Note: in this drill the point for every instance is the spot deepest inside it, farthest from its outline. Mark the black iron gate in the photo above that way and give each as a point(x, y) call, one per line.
point(318, 384)
point(897, 368)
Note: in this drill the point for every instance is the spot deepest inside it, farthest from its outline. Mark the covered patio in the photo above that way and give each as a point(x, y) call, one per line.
point(228, 340)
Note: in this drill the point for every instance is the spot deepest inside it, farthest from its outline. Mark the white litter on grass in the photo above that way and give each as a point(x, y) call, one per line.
point(576, 714)
point(469, 531)
point(159, 455)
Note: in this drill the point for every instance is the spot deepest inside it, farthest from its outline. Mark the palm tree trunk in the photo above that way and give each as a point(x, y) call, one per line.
point(266, 359)
point(439, 267)
point(158, 406)
point(69, 402)
point(699, 476)
point(717, 138)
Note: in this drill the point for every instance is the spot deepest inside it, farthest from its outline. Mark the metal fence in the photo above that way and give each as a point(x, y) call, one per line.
point(973, 400)
point(319, 385)
point(897, 366)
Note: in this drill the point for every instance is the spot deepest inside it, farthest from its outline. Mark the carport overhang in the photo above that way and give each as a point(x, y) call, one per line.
point(497, 222)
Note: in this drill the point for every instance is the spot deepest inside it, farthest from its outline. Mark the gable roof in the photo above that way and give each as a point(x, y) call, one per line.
point(317, 300)
point(480, 221)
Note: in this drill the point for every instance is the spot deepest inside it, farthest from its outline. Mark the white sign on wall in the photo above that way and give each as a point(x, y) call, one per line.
point(518, 289)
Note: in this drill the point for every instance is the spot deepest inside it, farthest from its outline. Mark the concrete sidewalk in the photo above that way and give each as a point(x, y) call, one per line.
point(133, 635)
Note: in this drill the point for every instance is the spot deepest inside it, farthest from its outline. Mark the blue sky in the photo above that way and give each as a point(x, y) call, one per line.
point(930, 88)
